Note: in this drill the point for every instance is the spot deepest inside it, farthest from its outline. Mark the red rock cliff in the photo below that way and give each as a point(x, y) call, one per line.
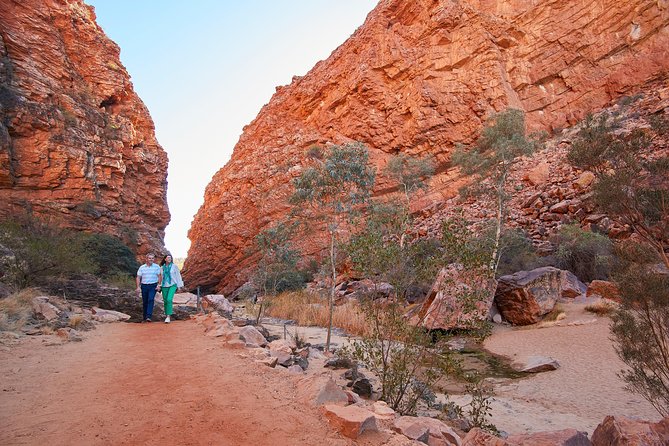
point(77, 145)
point(418, 77)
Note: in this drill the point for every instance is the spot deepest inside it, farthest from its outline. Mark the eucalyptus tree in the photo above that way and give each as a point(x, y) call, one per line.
point(334, 189)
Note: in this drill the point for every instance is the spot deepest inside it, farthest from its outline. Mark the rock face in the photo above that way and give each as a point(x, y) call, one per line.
point(77, 145)
point(418, 77)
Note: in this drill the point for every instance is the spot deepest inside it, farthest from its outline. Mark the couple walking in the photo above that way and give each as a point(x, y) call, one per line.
point(152, 278)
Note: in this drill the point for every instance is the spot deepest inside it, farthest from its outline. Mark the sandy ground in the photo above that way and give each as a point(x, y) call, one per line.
point(151, 384)
point(579, 394)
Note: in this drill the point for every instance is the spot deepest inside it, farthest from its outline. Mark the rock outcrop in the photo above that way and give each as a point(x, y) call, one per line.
point(417, 78)
point(77, 145)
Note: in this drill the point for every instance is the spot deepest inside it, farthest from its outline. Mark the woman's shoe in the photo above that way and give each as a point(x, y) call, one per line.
point(167, 320)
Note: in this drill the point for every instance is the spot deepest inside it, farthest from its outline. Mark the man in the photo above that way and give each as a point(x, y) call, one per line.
point(149, 277)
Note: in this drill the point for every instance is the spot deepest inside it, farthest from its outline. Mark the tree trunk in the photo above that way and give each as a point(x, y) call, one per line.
point(332, 288)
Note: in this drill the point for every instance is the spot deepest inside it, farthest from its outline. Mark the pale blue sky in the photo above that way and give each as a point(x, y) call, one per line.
point(204, 68)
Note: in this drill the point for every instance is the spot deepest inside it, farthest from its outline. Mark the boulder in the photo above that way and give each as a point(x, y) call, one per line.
point(524, 297)
point(603, 288)
point(571, 286)
point(252, 336)
point(363, 387)
point(45, 310)
point(438, 432)
point(296, 369)
point(442, 308)
point(282, 350)
point(270, 362)
point(331, 393)
point(566, 437)
point(382, 411)
point(537, 364)
point(339, 363)
point(623, 431)
point(217, 302)
point(351, 421)
point(187, 299)
point(584, 180)
point(101, 315)
point(479, 437)
point(539, 174)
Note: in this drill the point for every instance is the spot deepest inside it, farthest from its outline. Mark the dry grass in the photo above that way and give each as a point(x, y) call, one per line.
point(556, 314)
point(16, 309)
point(308, 309)
point(75, 320)
point(601, 308)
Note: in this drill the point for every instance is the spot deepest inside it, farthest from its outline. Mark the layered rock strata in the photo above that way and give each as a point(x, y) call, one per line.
point(77, 145)
point(418, 77)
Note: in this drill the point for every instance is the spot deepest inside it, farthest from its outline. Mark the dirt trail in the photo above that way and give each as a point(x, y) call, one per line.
point(131, 384)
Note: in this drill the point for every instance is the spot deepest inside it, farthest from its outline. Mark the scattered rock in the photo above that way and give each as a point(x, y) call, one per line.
point(566, 437)
point(605, 289)
point(438, 432)
point(270, 362)
point(331, 393)
point(339, 363)
point(571, 286)
point(295, 369)
point(45, 310)
point(101, 315)
point(584, 180)
point(536, 364)
point(217, 302)
point(252, 336)
point(623, 431)
point(479, 437)
point(383, 411)
point(363, 387)
point(351, 421)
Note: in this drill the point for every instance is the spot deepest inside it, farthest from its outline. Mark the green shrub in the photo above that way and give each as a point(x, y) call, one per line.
point(586, 254)
point(36, 250)
point(110, 257)
point(516, 253)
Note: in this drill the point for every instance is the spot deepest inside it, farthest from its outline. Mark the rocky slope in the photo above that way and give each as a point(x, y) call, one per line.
point(77, 145)
point(418, 77)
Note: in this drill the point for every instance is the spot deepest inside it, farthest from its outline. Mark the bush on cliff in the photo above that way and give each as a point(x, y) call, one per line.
point(35, 250)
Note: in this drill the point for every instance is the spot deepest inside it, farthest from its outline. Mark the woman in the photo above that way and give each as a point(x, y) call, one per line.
point(171, 282)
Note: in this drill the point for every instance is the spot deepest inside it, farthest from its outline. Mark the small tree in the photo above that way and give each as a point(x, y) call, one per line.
point(640, 326)
point(631, 184)
point(277, 269)
point(404, 357)
point(490, 160)
point(332, 188)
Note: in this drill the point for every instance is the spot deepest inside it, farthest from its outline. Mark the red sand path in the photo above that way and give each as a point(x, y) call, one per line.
point(151, 384)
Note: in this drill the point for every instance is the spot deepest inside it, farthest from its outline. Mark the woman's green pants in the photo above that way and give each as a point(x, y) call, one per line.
point(168, 296)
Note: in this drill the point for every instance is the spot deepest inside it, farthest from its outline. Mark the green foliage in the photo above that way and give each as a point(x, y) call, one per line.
point(338, 182)
point(502, 141)
point(587, 254)
point(631, 184)
point(640, 326)
point(516, 253)
point(277, 270)
point(36, 250)
point(402, 356)
point(380, 252)
point(409, 173)
point(110, 257)
point(333, 189)
point(479, 409)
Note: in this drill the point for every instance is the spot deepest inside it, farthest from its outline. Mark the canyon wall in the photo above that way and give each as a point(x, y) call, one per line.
point(418, 77)
point(77, 145)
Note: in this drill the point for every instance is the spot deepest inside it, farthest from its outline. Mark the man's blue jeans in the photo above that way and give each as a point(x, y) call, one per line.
point(148, 296)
